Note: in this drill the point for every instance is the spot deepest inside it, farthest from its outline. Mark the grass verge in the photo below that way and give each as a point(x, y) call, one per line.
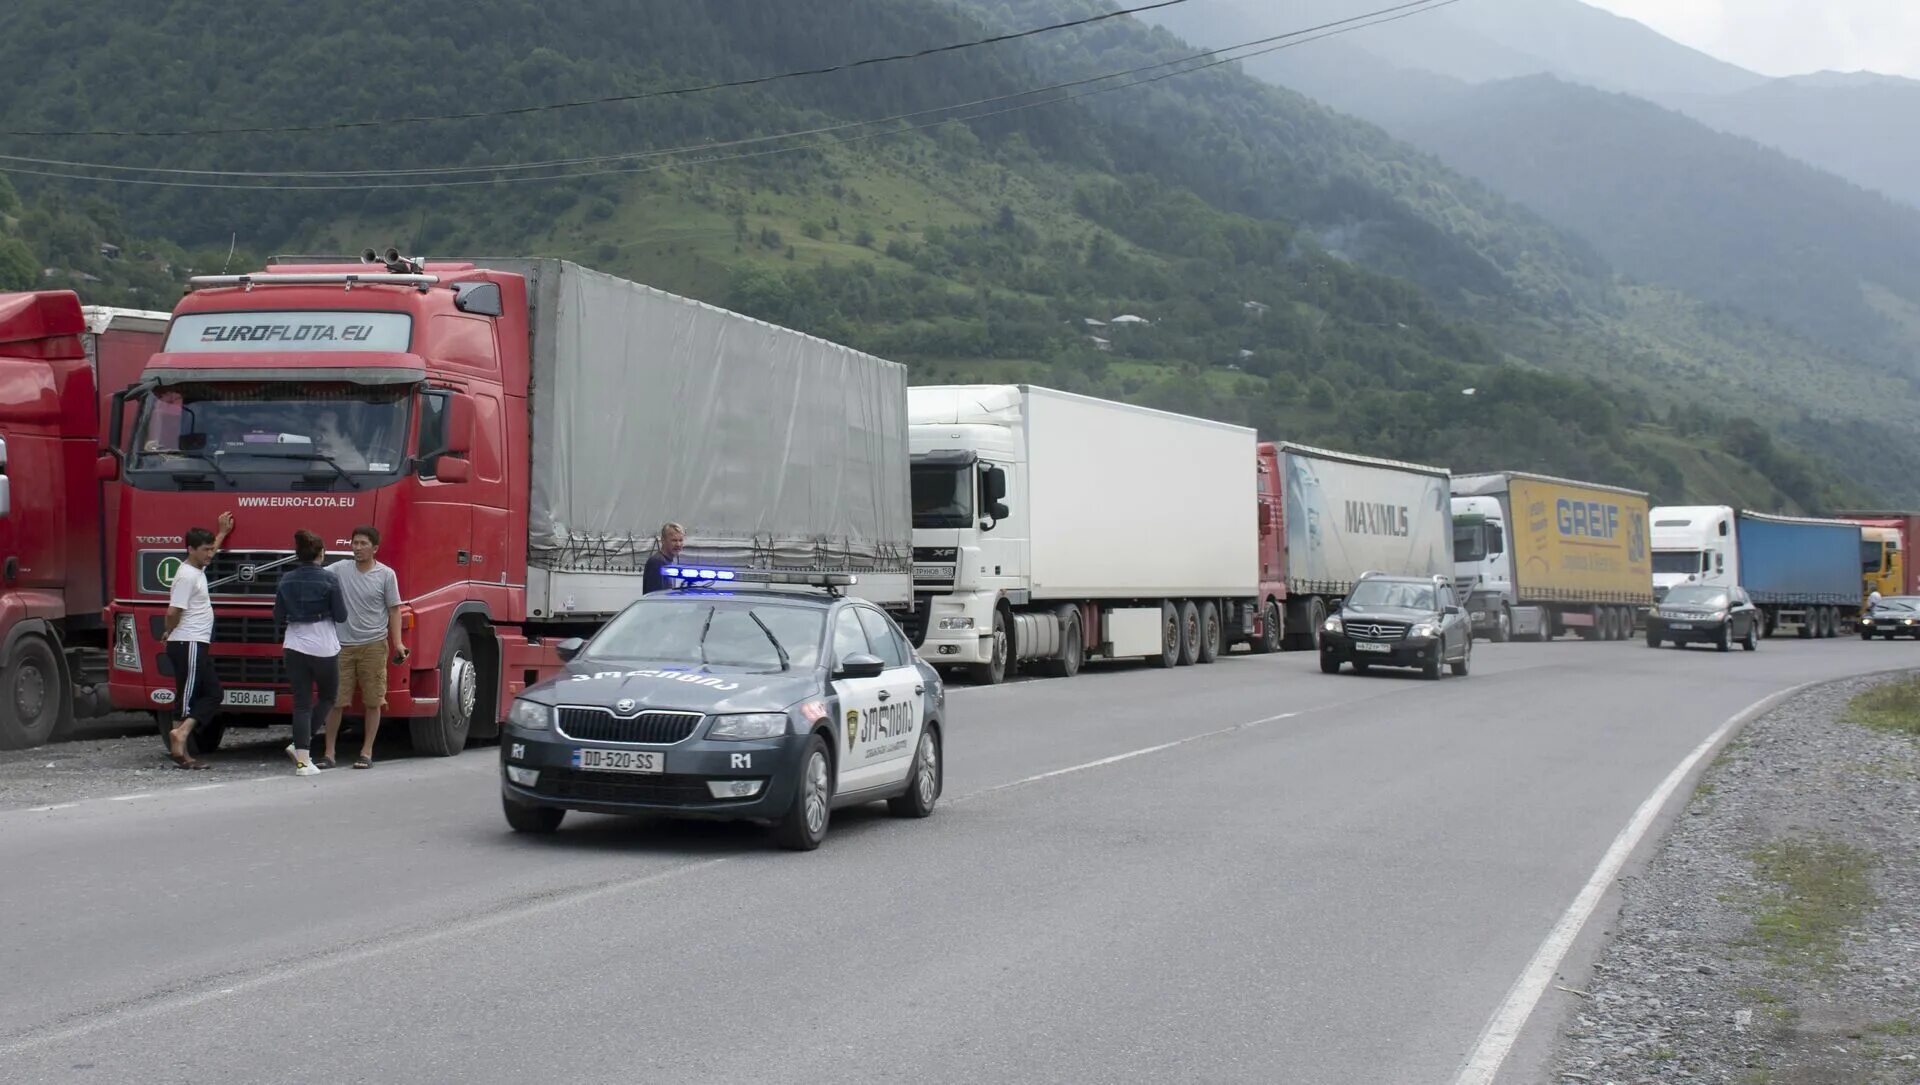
point(1891, 706)
point(1820, 889)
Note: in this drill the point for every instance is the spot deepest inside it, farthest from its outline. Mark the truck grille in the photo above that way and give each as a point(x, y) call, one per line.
point(251, 670)
point(914, 622)
point(618, 788)
point(1376, 631)
point(243, 629)
point(651, 728)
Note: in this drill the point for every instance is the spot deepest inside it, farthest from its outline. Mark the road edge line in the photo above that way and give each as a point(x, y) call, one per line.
point(1483, 1064)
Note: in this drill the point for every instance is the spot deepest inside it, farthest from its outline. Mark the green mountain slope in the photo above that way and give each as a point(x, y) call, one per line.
point(1296, 271)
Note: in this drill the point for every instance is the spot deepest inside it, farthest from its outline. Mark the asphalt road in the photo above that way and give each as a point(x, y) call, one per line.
point(1320, 880)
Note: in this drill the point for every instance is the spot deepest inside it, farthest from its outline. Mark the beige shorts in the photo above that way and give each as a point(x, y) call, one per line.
point(363, 667)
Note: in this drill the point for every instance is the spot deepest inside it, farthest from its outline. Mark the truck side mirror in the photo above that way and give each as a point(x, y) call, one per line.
point(459, 424)
point(481, 299)
point(106, 467)
point(6, 497)
point(451, 470)
point(993, 486)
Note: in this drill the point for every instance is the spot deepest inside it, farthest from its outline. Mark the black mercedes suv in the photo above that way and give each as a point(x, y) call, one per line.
point(1398, 621)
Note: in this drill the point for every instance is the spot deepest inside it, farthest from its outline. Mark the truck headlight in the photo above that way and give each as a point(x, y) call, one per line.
point(1334, 625)
point(126, 643)
point(1426, 629)
point(531, 716)
point(748, 726)
point(956, 623)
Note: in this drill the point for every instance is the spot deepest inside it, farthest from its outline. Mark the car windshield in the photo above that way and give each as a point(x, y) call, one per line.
point(1469, 541)
point(942, 496)
point(1683, 562)
point(1898, 602)
point(1697, 596)
point(722, 634)
point(257, 428)
point(1383, 593)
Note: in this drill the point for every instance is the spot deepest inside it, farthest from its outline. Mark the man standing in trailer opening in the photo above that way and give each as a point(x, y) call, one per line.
point(369, 639)
point(189, 628)
point(672, 538)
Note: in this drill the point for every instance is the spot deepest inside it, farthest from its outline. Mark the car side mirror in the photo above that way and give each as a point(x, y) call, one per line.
point(1453, 612)
point(569, 648)
point(452, 470)
point(860, 665)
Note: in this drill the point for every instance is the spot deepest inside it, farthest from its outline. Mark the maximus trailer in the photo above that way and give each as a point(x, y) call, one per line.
point(1051, 527)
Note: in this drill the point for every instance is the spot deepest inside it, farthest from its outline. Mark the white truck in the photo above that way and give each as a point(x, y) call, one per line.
point(1050, 527)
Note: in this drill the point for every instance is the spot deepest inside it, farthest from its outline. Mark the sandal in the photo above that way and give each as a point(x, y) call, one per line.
point(323, 762)
point(363, 762)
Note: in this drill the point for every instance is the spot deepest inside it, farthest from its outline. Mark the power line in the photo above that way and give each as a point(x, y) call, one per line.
point(705, 147)
point(669, 92)
point(1343, 27)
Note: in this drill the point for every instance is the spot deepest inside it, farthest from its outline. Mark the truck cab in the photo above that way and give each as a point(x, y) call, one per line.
point(969, 527)
point(323, 397)
point(1482, 574)
point(1694, 543)
point(1882, 565)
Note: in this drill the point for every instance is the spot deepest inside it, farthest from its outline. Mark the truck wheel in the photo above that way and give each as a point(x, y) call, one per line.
point(994, 671)
point(444, 733)
point(527, 818)
point(1503, 626)
point(1833, 621)
point(805, 823)
point(1209, 632)
point(1189, 633)
point(1169, 637)
point(1270, 630)
point(34, 702)
point(1073, 650)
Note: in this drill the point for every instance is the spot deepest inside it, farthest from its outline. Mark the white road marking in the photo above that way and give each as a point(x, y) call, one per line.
point(1503, 1028)
point(202, 787)
point(130, 798)
point(1129, 755)
point(307, 966)
point(55, 806)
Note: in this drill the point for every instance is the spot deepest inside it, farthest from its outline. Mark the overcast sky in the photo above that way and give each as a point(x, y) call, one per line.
point(1788, 37)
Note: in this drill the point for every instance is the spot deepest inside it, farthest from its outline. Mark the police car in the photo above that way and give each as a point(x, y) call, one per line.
point(735, 697)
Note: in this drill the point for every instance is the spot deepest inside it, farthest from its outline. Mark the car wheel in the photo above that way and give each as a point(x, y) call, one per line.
point(1725, 641)
point(1189, 633)
point(528, 818)
point(1209, 632)
point(1465, 661)
point(1653, 639)
point(1430, 670)
point(1270, 629)
point(1361, 668)
point(805, 824)
point(923, 780)
point(1752, 641)
point(1330, 664)
point(1169, 636)
point(994, 671)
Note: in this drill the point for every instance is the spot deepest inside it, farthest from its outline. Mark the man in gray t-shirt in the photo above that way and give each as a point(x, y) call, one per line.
point(369, 639)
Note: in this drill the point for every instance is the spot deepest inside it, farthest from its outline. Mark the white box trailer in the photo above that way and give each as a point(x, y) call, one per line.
point(1049, 527)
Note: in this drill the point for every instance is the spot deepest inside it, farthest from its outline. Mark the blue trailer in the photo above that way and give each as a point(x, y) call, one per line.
point(1800, 572)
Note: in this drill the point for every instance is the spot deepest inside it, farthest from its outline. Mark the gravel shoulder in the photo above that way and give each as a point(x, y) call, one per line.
point(1774, 938)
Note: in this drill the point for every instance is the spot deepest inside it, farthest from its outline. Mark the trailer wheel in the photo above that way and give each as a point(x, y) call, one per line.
point(1209, 632)
point(1833, 621)
point(34, 699)
point(1316, 617)
point(1189, 633)
point(1169, 636)
point(444, 733)
point(1502, 626)
point(1270, 629)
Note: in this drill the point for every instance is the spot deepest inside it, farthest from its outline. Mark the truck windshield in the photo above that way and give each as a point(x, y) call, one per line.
point(1682, 562)
point(1469, 542)
point(712, 633)
point(1870, 555)
point(342, 431)
point(943, 496)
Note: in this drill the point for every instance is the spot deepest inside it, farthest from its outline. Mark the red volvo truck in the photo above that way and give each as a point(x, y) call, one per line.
point(516, 430)
point(59, 365)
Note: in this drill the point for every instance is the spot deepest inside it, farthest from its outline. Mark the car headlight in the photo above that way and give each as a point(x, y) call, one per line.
point(531, 716)
point(956, 623)
point(748, 726)
point(1426, 629)
point(1906, 621)
point(1334, 625)
point(1717, 616)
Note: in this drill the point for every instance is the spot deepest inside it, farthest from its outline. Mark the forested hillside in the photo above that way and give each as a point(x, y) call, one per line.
point(1293, 269)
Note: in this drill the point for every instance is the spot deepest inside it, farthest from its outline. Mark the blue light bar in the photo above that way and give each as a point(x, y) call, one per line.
point(679, 572)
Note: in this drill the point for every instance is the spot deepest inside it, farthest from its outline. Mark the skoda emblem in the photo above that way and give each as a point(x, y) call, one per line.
point(624, 704)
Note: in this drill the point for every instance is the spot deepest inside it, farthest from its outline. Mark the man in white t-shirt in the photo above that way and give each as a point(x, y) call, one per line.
point(189, 629)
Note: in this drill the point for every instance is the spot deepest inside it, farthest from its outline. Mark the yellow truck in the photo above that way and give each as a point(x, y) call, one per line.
point(1536, 556)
